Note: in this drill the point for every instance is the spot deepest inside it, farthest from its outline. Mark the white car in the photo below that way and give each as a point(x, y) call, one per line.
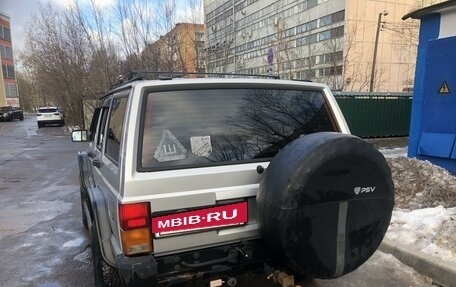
point(49, 115)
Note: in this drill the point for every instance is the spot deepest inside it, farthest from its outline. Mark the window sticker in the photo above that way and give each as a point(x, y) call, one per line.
point(169, 148)
point(201, 146)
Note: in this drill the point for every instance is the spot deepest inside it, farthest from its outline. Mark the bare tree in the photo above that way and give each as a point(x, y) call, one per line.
point(95, 25)
point(137, 24)
point(73, 56)
point(28, 89)
point(70, 64)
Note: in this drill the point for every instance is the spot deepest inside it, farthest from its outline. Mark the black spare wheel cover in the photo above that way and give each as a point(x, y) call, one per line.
point(325, 203)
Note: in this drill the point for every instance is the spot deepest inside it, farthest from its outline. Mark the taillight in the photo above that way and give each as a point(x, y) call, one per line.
point(56, 114)
point(135, 232)
point(38, 114)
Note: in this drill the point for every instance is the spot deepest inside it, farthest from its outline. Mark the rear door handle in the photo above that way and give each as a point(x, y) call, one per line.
point(97, 163)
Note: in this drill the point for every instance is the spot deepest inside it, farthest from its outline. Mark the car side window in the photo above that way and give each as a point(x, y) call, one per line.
point(93, 124)
point(115, 128)
point(101, 130)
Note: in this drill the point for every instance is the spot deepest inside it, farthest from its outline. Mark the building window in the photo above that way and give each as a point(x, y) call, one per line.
point(338, 16)
point(6, 52)
point(312, 25)
point(331, 58)
point(337, 32)
point(9, 53)
point(324, 21)
point(311, 3)
point(324, 35)
point(290, 32)
point(305, 75)
point(5, 33)
point(330, 71)
point(11, 90)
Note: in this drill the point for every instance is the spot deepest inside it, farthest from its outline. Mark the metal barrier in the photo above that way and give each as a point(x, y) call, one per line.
point(376, 114)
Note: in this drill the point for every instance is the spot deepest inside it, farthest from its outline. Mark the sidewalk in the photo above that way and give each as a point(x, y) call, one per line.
point(442, 273)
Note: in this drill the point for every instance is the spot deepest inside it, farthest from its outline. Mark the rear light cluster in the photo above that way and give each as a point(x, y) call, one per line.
point(56, 114)
point(135, 228)
point(38, 114)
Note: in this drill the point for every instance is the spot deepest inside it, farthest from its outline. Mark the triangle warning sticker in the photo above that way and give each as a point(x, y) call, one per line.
point(444, 89)
point(169, 148)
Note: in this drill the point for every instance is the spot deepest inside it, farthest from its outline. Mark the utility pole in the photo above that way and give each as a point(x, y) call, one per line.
point(374, 59)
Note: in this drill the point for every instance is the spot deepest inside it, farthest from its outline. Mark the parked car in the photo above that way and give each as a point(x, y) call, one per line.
point(9, 113)
point(49, 116)
point(199, 180)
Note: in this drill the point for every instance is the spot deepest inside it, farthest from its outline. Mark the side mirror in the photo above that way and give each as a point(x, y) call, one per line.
point(79, 136)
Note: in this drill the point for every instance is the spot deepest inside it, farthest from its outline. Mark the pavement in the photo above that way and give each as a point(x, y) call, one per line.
point(442, 273)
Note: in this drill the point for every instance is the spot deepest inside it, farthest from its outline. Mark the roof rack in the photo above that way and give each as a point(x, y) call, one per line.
point(137, 75)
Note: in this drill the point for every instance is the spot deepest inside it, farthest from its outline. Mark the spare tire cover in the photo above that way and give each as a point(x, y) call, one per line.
point(325, 203)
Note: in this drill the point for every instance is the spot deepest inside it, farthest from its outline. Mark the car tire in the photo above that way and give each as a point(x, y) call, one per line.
point(21, 118)
point(39, 125)
point(104, 275)
point(324, 204)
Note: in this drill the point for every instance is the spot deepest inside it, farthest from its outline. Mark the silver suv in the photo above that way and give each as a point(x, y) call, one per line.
point(199, 180)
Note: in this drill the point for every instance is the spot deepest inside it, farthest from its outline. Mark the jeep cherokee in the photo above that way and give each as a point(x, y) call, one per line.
point(199, 180)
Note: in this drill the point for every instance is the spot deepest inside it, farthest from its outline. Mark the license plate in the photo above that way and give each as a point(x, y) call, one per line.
point(48, 116)
point(212, 217)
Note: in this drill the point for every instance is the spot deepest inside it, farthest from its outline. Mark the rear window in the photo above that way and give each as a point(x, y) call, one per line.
point(47, 110)
point(225, 126)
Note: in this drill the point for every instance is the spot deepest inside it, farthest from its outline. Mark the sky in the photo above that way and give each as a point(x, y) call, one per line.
point(21, 12)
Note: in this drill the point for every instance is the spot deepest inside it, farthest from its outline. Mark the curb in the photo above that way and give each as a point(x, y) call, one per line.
point(443, 273)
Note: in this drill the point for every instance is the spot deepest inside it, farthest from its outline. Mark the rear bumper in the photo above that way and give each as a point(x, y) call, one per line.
point(197, 267)
point(50, 122)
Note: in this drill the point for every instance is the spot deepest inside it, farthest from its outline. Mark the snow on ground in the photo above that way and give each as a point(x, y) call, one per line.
point(425, 205)
point(429, 230)
point(394, 152)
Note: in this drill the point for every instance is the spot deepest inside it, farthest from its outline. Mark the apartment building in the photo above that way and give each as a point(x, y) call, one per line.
point(330, 41)
point(8, 86)
point(181, 49)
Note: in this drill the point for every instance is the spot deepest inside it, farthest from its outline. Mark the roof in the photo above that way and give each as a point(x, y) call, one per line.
point(205, 83)
point(4, 16)
point(437, 8)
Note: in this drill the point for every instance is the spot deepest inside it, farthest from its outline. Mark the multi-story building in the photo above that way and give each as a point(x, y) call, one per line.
point(180, 50)
point(8, 87)
point(331, 41)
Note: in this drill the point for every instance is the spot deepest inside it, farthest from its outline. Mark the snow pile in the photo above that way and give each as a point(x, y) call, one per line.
point(425, 207)
point(430, 230)
point(420, 184)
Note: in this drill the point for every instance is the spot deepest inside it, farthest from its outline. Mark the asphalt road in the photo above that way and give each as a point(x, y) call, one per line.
point(42, 240)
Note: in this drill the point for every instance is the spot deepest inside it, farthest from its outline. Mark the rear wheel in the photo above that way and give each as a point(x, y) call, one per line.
point(39, 125)
point(104, 275)
point(21, 118)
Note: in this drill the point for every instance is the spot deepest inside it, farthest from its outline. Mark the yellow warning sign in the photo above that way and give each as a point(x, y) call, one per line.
point(444, 89)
